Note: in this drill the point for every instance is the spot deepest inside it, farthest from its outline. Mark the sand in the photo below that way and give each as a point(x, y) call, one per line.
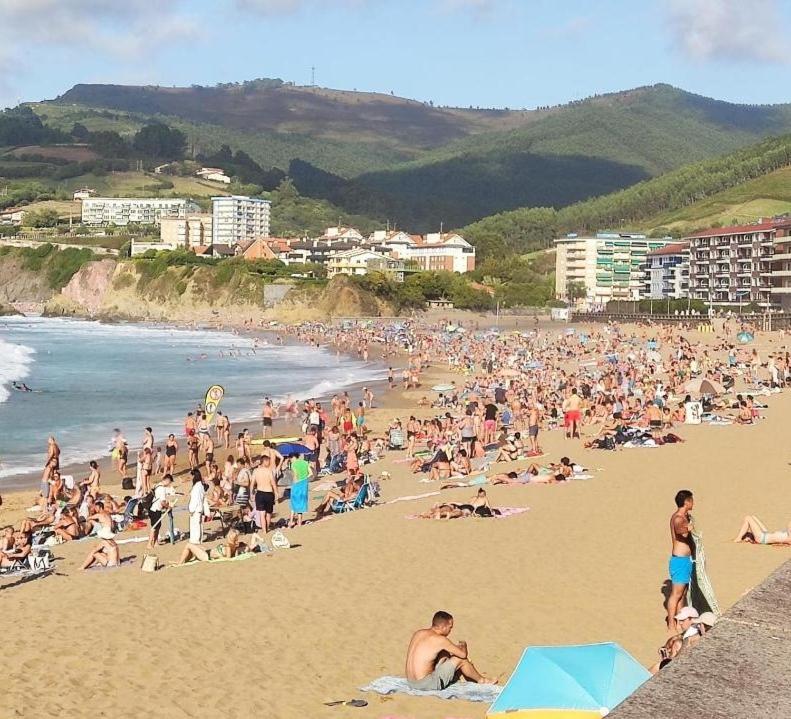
point(277, 636)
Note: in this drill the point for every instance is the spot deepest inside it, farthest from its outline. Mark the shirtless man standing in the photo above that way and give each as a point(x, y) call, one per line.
point(434, 662)
point(533, 419)
point(266, 419)
point(571, 410)
point(121, 452)
point(263, 489)
point(681, 556)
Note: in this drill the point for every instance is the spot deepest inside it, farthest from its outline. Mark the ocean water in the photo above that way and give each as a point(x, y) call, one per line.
point(90, 377)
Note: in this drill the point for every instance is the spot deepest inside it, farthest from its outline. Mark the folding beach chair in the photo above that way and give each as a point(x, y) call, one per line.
point(396, 439)
point(349, 505)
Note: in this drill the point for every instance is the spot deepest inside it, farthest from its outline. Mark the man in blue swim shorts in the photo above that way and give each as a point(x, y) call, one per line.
point(681, 556)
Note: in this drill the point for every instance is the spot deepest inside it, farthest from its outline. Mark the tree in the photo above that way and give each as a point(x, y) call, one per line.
point(109, 144)
point(160, 141)
point(576, 291)
point(41, 218)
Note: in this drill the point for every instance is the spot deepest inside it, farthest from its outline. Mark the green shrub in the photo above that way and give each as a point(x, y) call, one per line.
point(123, 281)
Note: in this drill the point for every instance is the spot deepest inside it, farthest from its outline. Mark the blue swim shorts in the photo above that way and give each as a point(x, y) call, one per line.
point(680, 570)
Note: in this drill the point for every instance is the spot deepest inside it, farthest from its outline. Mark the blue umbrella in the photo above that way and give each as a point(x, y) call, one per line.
point(745, 337)
point(570, 682)
point(292, 449)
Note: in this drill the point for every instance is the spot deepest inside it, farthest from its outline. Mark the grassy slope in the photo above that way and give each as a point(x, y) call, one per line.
point(762, 197)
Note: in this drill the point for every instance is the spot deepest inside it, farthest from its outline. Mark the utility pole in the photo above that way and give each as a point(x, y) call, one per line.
point(313, 76)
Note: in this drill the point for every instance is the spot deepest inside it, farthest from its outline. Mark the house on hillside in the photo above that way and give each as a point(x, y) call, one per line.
point(214, 174)
point(270, 248)
point(361, 261)
point(340, 234)
point(434, 252)
point(12, 217)
point(83, 193)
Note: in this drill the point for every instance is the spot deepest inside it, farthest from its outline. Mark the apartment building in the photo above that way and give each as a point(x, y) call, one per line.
point(187, 232)
point(667, 272)
point(125, 210)
point(433, 252)
point(236, 219)
point(733, 265)
point(608, 265)
point(780, 289)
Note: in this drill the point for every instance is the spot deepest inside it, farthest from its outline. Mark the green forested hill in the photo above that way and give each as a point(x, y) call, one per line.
point(693, 196)
point(421, 165)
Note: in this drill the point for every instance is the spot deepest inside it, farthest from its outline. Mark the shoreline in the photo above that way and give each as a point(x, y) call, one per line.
point(27, 481)
point(545, 577)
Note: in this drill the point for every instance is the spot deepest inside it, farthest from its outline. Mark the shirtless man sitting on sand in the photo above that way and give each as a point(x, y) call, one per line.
point(434, 662)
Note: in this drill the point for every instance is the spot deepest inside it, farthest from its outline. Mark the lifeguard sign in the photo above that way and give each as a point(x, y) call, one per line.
point(560, 314)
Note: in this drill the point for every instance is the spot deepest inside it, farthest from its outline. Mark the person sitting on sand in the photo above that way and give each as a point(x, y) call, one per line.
point(232, 547)
point(511, 450)
point(745, 415)
point(440, 467)
point(68, 527)
point(434, 662)
point(18, 553)
point(106, 554)
point(754, 531)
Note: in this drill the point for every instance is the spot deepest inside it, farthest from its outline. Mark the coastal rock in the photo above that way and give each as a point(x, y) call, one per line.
point(88, 287)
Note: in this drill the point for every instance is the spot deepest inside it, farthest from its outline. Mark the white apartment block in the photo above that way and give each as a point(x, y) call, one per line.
point(434, 252)
point(187, 232)
point(361, 261)
point(610, 266)
point(236, 219)
point(123, 210)
point(667, 273)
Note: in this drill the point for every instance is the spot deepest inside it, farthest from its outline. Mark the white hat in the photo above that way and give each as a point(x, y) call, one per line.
point(687, 613)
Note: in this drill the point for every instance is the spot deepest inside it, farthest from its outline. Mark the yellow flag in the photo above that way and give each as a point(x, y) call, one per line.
point(213, 396)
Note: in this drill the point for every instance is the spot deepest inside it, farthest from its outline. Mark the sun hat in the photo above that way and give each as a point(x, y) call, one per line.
point(687, 613)
point(707, 618)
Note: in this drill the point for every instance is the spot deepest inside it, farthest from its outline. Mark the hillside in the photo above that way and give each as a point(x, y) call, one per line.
point(582, 150)
point(747, 202)
point(385, 156)
point(694, 195)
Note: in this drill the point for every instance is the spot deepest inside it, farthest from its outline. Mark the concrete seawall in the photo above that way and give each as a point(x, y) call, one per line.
point(740, 669)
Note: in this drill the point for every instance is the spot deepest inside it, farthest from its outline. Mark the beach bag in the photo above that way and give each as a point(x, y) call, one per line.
point(128, 483)
point(150, 563)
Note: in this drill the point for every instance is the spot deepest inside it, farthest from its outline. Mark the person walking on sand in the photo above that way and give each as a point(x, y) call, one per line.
point(572, 414)
point(680, 564)
point(434, 662)
point(195, 507)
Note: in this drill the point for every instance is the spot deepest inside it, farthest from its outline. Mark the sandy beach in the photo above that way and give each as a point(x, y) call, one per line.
point(279, 635)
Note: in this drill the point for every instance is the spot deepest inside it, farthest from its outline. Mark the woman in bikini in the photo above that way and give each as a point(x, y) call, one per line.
point(754, 531)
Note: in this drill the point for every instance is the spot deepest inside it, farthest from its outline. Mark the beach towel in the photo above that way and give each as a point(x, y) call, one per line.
point(410, 497)
point(701, 593)
point(504, 513)
point(466, 691)
point(299, 497)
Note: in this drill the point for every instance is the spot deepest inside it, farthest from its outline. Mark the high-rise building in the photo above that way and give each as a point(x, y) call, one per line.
point(187, 232)
point(734, 265)
point(607, 266)
point(236, 219)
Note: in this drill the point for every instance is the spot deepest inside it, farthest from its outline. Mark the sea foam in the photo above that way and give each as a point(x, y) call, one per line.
point(15, 361)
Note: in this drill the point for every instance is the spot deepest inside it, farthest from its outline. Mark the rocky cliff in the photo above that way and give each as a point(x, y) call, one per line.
point(113, 290)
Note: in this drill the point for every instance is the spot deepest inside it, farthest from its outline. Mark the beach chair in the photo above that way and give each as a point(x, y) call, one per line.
point(350, 505)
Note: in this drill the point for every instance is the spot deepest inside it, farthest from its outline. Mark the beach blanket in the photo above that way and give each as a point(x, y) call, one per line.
point(466, 691)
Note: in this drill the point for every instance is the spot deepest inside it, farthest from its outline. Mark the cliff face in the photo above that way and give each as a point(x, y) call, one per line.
point(112, 290)
point(19, 285)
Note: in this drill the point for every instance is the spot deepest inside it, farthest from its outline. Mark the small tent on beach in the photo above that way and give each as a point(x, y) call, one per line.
point(569, 682)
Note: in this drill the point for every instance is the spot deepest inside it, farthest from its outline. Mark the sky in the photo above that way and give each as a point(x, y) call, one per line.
point(484, 53)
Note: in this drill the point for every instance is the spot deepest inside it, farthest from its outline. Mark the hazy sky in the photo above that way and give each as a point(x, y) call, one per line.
point(505, 53)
